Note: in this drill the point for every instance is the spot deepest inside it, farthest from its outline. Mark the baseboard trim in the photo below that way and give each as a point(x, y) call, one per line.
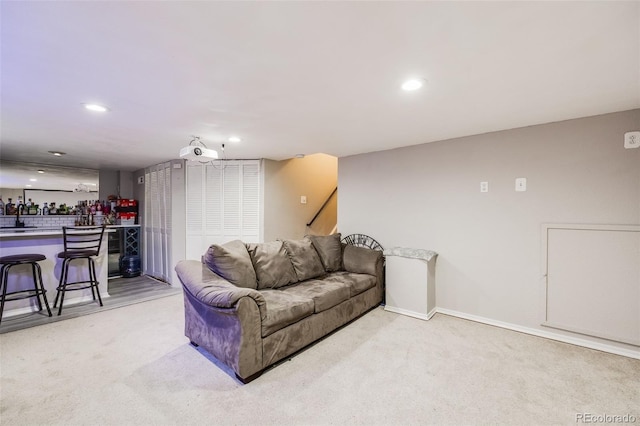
point(545, 334)
point(418, 315)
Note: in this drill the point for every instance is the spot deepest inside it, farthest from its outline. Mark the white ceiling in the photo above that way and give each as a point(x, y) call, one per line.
point(300, 77)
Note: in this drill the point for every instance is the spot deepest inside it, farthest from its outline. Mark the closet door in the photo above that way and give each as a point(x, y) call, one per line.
point(195, 209)
point(223, 204)
point(157, 223)
point(250, 203)
point(231, 206)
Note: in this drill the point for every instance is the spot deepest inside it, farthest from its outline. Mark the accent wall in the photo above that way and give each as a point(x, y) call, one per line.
point(490, 243)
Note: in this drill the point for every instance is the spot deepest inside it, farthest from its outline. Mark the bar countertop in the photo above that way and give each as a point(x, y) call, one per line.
point(45, 231)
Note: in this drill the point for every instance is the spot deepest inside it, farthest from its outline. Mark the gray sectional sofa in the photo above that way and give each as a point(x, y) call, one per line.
point(251, 305)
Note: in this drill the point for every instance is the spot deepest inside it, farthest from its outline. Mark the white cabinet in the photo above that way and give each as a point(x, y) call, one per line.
point(410, 282)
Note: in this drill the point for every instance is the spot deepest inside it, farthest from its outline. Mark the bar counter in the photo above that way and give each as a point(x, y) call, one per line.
point(49, 242)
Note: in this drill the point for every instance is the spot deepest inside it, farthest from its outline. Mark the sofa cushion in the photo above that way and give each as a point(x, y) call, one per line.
point(304, 258)
point(325, 294)
point(361, 260)
point(357, 283)
point(284, 309)
point(330, 250)
point(232, 262)
point(272, 265)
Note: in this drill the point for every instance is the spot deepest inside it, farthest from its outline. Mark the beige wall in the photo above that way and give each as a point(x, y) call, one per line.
point(489, 244)
point(284, 182)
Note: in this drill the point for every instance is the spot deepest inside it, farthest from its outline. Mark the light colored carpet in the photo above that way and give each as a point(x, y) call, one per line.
point(133, 366)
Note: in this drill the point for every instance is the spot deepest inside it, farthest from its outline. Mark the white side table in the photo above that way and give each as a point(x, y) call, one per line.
point(410, 282)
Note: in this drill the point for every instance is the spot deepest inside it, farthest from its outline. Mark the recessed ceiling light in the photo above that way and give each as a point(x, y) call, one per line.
point(33, 180)
point(40, 171)
point(234, 139)
point(96, 107)
point(299, 155)
point(412, 84)
point(57, 153)
point(28, 186)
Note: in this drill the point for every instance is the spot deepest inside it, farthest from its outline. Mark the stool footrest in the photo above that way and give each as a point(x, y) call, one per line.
point(87, 284)
point(24, 294)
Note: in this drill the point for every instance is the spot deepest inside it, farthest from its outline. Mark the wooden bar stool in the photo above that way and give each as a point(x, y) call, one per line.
point(79, 243)
point(38, 290)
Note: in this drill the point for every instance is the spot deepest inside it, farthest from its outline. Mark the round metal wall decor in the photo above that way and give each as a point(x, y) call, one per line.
point(361, 240)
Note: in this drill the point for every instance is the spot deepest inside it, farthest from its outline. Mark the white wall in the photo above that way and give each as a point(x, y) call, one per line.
point(116, 182)
point(108, 183)
point(489, 244)
point(125, 184)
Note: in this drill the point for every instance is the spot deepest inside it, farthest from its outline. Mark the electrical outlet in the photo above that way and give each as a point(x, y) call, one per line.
point(632, 140)
point(303, 199)
point(484, 186)
point(140, 180)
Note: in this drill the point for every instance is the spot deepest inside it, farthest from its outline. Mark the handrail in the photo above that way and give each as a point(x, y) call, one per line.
point(323, 206)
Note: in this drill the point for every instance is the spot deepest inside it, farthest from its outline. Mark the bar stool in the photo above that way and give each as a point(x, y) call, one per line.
point(79, 243)
point(38, 290)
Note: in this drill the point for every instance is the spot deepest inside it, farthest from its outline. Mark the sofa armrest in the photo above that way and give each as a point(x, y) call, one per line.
point(224, 319)
point(213, 290)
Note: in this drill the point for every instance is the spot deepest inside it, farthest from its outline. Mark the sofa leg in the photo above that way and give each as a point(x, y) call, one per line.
point(250, 378)
point(194, 344)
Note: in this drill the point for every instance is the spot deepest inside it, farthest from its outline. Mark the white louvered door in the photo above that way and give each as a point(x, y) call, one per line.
point(157, 224)
point(231, 202)
point(223, 204)
point(251, 185)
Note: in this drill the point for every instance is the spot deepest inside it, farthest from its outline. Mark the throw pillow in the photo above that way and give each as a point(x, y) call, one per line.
point(272, 265)
point(330, 250)
point(361, 260)
point(232, 262)
point(304, 258)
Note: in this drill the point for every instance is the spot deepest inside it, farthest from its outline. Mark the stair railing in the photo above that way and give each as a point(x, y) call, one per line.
point(323, 206)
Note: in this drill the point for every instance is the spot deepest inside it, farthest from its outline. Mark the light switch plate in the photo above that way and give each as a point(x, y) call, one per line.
point(521, 184)
point(303, 199)
point(484, 186)
point(632, 140)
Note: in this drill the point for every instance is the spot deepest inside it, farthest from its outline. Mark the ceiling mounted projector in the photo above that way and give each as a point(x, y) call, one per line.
point(198, 153)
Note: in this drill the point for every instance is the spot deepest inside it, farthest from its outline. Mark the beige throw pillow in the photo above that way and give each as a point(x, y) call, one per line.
point(361, 260)
point(330, 250)
point(304, 258)
point(272, 265)
point(232, 262)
